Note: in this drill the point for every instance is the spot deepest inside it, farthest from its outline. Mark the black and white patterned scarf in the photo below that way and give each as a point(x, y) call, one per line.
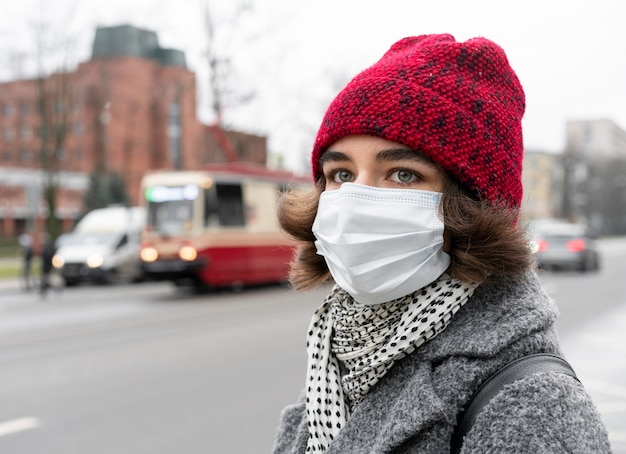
point(350, 346)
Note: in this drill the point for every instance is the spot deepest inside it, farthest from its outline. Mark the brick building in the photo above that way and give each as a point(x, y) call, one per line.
point(129, 109)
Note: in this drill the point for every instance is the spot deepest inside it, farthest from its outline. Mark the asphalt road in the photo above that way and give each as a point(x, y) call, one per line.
point(148, 369)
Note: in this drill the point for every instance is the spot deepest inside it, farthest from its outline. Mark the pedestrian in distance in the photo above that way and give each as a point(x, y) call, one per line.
point(47, 253)
point(26, 245)
point(415, 221)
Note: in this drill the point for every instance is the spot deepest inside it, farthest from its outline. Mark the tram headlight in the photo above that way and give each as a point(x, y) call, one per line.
point(149, 254)
point(95, 261)
point(58, 262)
point(188, 253)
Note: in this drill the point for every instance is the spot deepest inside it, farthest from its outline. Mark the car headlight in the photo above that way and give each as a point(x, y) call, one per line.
point(95, 261)
point(58, 261)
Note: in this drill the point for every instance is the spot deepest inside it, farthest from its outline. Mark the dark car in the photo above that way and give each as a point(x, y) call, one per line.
point(564, 245)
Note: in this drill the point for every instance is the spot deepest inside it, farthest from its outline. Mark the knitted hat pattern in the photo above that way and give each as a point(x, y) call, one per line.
point(459, 103)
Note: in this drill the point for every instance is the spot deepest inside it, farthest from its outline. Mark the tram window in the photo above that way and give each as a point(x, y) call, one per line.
point(230, 204)
point(210, 208)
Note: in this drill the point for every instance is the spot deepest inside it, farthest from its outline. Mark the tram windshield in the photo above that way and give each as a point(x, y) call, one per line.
point(170, 208)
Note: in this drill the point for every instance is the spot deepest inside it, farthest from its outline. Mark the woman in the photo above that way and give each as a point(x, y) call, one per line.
point(417, 168)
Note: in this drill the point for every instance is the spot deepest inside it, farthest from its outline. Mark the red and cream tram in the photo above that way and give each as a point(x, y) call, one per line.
point(216, 227)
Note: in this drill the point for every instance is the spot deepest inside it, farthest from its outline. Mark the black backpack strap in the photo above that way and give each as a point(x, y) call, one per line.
point(521, 367)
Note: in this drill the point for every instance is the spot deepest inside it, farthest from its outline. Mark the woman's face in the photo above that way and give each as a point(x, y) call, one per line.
point(373, 161)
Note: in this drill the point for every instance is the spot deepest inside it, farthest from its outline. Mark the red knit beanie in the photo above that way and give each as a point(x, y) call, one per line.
point(459, 103)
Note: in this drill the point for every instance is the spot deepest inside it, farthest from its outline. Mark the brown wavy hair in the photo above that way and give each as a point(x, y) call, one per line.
point(484, 240)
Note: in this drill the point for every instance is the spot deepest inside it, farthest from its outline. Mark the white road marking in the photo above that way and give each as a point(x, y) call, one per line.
point(18, 425)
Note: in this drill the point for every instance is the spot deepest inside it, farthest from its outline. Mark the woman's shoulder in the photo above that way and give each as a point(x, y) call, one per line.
point(541, 412)
point(417, 391)
point(498, 324)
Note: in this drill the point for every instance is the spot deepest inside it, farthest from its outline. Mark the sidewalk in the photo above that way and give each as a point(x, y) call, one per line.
point(9, 284)
point(15, 286)
point(11, 280)
point(598, 355)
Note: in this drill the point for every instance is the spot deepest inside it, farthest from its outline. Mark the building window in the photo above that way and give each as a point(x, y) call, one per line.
point(25, 109)
point(26, 133)
point(8, 134)
point(7, 110)
point(7, 156)
point(26, 156)
point(78, 129)
point(173, 135)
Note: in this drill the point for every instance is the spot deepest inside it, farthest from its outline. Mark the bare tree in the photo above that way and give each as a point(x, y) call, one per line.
point(54, 98)
point(221, 72)
point(54, 104)
point(221, 77)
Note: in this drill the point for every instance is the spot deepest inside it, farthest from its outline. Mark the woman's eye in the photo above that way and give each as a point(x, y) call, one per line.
point(342, 176)
point(403, 176)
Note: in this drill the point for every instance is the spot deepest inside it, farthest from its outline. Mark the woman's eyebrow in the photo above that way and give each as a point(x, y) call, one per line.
point(386, 155)
point(403, 154)
point(333, 156)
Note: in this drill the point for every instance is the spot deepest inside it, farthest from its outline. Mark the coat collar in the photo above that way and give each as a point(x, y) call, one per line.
point(495, 316)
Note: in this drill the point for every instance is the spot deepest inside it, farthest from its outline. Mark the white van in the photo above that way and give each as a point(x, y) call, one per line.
point(103, 247)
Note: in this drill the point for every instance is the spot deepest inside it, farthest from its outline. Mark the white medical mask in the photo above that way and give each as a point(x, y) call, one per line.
point(380, 243)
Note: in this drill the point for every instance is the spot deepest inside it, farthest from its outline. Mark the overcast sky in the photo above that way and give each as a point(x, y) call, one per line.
point(294, 55)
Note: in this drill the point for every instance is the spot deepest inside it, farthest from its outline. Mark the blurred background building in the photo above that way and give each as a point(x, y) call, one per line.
point(585, 183)
point(594, 165)
point(130, 108)
point(78, 139)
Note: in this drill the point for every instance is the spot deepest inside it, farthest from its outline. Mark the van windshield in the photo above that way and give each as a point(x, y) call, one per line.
point(85, 238)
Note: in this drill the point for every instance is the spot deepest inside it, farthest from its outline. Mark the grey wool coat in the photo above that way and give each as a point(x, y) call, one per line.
point(413, 408)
